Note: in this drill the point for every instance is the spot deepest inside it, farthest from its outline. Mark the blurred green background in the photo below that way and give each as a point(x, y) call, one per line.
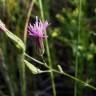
point(72, 43)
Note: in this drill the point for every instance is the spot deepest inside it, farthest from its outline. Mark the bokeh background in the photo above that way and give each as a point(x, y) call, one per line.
point(71, 39)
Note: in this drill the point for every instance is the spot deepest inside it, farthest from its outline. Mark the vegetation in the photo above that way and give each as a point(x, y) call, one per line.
point(68, 57)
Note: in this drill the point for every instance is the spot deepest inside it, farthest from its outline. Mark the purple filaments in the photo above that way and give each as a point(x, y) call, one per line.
point(37, 29)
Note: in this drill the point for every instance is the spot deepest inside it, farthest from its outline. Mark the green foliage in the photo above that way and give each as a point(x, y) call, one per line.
point(71, 41)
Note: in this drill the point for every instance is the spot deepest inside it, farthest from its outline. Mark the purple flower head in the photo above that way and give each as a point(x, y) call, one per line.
point(38, 28)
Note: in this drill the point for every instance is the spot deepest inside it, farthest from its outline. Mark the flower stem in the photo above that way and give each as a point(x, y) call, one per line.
point(48, 51)
point(77, 58)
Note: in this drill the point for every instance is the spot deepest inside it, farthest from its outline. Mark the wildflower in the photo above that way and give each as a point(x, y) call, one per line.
point(37, 31)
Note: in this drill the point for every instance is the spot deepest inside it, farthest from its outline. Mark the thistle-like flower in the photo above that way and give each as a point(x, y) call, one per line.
point(37, 30)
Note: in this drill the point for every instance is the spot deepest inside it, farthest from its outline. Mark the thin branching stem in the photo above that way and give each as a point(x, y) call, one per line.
point(62, 72)
point(33, 59)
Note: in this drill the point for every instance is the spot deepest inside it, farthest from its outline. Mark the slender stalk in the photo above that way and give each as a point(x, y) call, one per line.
point(76, 79)
point(27, 20)
point(77, 58)
point(48, 51)
point(3, 67)
point(22, 65)
point(62, 72)
point(33, 59)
